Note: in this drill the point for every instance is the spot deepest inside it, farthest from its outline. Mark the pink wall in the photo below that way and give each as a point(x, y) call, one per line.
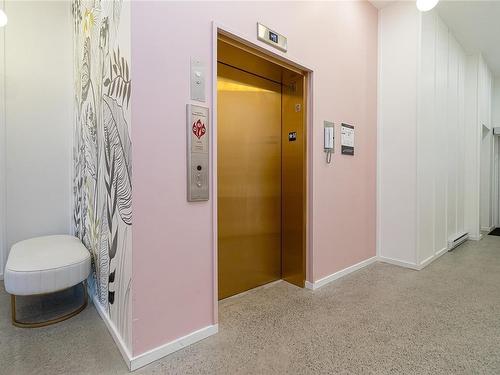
point(172, 239)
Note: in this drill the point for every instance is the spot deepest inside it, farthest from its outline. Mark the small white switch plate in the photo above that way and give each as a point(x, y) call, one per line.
point(197, 80)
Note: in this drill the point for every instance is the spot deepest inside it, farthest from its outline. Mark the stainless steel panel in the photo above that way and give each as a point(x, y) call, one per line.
point(198, 73)
point(271, 37)
point(197, 153)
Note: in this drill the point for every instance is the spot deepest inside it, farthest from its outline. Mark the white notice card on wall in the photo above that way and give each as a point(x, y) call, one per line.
point(347, 139)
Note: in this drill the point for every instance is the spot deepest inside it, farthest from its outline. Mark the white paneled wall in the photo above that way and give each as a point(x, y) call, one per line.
point(495, 199)
point(427, 141)
point(440, 133)
point(472, 148)
point(430, 100)
point(495, 123)
point(485, 86)
point(495, 103)
point(440, 139)
point(396, 163)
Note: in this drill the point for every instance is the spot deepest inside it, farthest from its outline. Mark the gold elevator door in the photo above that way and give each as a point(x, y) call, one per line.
point(249, 136)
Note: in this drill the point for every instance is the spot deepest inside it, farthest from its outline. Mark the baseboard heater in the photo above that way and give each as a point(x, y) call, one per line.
point(457, 240)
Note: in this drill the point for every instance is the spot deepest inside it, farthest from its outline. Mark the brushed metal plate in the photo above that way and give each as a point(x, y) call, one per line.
point(197, 153)
point(271, 37)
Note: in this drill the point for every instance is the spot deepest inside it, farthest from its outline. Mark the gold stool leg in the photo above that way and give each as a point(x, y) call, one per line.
point(20, 324)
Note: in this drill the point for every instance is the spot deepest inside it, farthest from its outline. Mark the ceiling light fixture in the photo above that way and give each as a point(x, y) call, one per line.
point(426, 5)
point(3, 18)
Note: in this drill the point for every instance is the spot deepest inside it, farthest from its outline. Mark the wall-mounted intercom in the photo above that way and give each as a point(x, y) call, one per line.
point(197, 153)
point(329, 140)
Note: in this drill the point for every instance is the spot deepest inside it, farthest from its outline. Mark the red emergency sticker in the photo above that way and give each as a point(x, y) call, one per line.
point(199, 129)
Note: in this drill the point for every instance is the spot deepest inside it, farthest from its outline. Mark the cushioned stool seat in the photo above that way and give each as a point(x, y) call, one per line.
point(45, 265)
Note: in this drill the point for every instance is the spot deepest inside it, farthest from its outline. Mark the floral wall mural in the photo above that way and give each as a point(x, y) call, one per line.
point(103, 150)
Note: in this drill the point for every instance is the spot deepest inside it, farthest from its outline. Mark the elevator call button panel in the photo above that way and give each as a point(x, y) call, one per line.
point(197, 153)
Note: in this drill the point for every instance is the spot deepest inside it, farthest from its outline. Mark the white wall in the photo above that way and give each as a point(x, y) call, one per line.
point(495, 103)
point(484, 106)
point(422, 136)
point(39, 117)
point(495, 209)
point(440, 138)
point(495, 122)
point(486, 195)
point(3, 240)
point(472, 149)
point(397, 106)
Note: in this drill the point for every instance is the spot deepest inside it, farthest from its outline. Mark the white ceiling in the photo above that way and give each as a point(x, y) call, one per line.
point(475, 23)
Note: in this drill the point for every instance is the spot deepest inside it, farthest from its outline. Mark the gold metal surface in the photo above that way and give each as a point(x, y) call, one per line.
point(245, 54)
point(230, 54)
point(45, 323)
point(249, 180)
point(293, 179)
point(261, 174)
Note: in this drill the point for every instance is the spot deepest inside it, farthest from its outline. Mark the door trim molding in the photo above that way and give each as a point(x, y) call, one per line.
point(252, 42)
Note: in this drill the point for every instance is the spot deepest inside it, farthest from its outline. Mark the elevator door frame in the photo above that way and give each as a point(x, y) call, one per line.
point(292, 64)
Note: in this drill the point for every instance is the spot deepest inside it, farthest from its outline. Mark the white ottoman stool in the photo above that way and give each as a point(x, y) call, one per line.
point(45, 265)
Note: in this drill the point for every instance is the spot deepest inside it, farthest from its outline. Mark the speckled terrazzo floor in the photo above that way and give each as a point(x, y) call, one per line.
point(383, 319)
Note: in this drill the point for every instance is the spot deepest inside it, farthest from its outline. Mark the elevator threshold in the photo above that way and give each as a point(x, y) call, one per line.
point(249, 291)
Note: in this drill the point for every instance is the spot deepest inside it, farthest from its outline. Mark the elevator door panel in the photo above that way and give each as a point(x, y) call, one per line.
point(249, 180)
point(293, 179)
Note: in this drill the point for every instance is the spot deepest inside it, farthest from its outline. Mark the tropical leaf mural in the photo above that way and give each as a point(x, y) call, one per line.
point(102, 182)
point(118, 156)
point(119, 83)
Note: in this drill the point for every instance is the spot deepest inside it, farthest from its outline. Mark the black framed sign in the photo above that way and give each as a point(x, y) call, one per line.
point(347, 139)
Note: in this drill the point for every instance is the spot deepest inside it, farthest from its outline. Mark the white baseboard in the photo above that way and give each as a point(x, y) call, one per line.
point(432, 258)
point(487, 229)
point(337, 275)
point(114, 332)
point(476, 238)
point(441, 252)
point(399, 263)
point(141, 360)
point(426, 261)
point(170, 347)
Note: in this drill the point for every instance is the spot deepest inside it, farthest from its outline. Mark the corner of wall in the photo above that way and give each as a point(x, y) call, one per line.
point(396, 198)
point(3, 222)
point(472, 146)
point(379, 176)
point(102, 159)
point(114, 332)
